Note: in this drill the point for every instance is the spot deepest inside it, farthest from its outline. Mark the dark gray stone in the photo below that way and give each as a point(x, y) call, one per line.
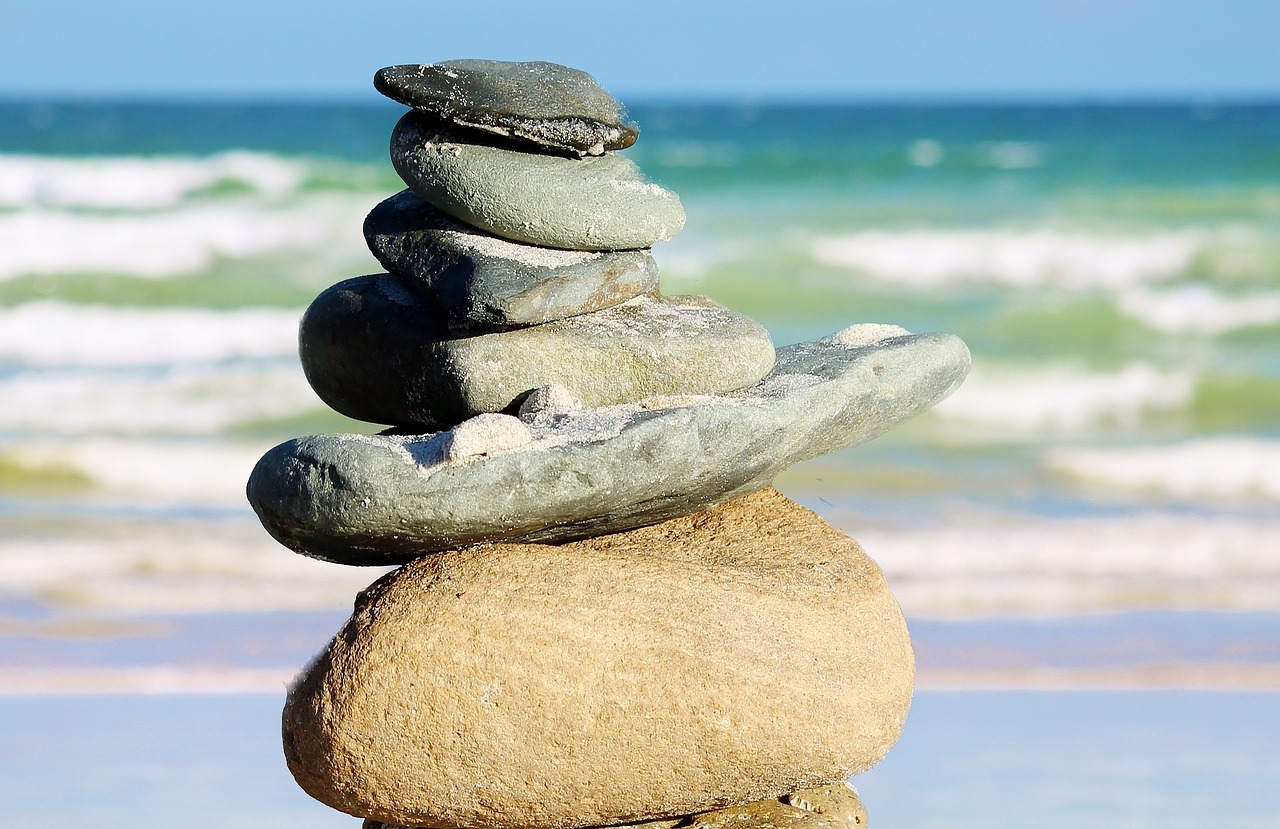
point(484, 281)
point(361, 499)
point(592, 203)
point(550, 105)
point(376, 351)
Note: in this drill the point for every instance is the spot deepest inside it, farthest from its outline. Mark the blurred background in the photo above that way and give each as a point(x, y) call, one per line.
point(1085, 538)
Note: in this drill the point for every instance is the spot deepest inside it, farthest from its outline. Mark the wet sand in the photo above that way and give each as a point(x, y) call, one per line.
point(967, 760)
point(43, 651)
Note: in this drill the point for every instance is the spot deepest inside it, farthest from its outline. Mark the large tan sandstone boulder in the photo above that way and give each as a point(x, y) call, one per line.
point(712, 660)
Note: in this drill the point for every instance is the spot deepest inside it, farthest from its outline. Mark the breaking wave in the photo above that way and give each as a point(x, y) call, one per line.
point(52, 333)
point(139, 182)
point(1216, 468)
point(1022, 259)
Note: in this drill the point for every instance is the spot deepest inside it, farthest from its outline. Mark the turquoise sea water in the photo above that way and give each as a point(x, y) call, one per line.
point(1103, 492)
point(1114, 269)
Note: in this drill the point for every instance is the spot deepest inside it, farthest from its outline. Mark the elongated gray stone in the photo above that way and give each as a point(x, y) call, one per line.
point(376, 351)
point(360, 499)
point(593, 203)
point(481, 280)
point(550, 105)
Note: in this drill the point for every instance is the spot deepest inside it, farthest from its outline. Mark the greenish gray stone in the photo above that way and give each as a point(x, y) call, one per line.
point(593, 203)
point(361, 499)
point(485, 281)
point(375, 351)
point(550, 105)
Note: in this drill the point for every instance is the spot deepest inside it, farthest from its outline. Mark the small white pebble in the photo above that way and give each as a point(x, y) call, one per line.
point(545, 402)
point(485, 434)
point(867, 333)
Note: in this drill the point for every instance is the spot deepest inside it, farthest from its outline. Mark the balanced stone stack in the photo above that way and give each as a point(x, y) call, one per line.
point(604, 614)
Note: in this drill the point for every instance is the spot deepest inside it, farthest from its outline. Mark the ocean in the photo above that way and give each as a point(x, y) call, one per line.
point(1092, 519)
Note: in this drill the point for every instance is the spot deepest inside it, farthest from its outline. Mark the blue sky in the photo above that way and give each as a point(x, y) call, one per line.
point(805, 48)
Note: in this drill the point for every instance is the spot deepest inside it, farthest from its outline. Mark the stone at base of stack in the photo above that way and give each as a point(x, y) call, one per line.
point(829, 807)
point(711, 660)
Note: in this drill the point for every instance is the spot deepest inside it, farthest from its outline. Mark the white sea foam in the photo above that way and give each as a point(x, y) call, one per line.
point(1198, 309)
point(672, 153)
point(1225, 468)
point(52, 333)
point(925, 152)
point(995, 564)
point(1012, 155)
point(1023, 259)
point(172, 243)
point(186, 400)
point(1002, 564)
point(133, 182)
point(142, 471)
point(1058, 399)
point(174, 567)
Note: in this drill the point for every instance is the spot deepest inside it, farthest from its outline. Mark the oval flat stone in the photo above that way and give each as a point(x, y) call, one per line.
point(713, 660)
point(482, 280)
point(550, 105)
point(375, 351)
point(593, 203)
point(366, 499)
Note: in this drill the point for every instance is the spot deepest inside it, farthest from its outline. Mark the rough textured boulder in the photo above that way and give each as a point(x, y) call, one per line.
point(836, 806)
point(709, 661)
point(366, 499)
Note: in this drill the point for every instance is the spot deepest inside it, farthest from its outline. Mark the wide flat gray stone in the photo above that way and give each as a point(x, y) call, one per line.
point(484, 281)
point(363, 499)
point(550, 105)
point(592, 203)
point(376, 351)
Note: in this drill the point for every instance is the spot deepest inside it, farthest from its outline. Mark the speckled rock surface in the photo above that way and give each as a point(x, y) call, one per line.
point(482, 280)
point(712, 660)
point(836, 806)
point(376, 351)
point(364, 499)
point(550, 105)
point(593, 203)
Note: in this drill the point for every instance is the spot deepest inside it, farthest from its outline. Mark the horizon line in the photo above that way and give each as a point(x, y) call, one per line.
point(1048, 99)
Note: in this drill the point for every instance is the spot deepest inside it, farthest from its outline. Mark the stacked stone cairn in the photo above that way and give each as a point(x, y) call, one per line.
point(604, 614)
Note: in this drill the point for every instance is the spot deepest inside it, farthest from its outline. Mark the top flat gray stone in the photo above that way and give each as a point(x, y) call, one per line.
point(484, 281)
point(382, 499)
point(550, 105)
